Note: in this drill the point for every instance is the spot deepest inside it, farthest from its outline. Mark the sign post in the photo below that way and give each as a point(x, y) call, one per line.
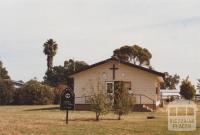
point(67, 102)
point(67, 116)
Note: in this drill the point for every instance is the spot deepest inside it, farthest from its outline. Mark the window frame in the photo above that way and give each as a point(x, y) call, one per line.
point(110, 82)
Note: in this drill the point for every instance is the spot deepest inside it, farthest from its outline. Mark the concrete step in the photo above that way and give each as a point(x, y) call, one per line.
point(142, 108)
point(148, 108)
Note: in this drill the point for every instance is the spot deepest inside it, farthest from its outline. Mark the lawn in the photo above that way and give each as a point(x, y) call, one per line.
point(49, 120)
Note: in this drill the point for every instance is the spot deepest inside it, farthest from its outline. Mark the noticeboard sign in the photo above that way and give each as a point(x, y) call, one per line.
point(67, 99)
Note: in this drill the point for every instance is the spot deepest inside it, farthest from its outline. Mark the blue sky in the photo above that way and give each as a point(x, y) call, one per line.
point(90, 30)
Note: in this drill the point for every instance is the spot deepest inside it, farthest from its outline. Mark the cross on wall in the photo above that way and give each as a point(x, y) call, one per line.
point(114, 68)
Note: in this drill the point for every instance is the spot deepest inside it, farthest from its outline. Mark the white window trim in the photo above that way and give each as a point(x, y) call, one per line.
point(112, 87)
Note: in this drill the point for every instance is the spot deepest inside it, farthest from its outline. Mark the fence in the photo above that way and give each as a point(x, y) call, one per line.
point(85, 99)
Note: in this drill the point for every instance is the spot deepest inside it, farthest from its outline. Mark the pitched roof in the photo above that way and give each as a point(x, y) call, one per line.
point(123, 62)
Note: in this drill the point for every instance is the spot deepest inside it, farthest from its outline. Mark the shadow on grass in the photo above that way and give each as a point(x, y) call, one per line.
point(91, 119)
point(44, 109)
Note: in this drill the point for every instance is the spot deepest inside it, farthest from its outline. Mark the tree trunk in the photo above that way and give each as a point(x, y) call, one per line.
point(49, 62)
point(119, 116)
point(97, 116)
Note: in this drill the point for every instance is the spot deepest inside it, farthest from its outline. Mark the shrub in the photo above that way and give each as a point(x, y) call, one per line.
point(187, 90)
point(34, 93)
point(6, 92)
point(99, 104)
point(122, 101)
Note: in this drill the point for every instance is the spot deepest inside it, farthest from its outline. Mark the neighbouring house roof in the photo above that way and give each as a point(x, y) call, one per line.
point(168, 93)
point(18, 83)
point(123, 62)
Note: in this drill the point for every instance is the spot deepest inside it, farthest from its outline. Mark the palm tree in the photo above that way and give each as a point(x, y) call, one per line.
point(50, 49)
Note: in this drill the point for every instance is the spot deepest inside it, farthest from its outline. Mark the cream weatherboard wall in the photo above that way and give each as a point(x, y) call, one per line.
point(142, 82)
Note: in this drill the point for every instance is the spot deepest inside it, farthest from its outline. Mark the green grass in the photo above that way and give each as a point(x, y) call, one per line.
point(47, 120)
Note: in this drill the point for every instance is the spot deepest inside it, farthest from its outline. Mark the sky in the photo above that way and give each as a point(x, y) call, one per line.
point(90, 30)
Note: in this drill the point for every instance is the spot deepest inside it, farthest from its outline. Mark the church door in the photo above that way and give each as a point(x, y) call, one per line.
point(110, 90)
point(114, 87)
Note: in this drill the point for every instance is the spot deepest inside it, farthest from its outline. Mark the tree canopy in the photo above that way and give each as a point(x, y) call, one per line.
point(7, 91)
point(187, 90)
point(59, 74)
point(134, 54)
point(74, 65)
point(170, 81)
point(3, 72)
point(6, 87)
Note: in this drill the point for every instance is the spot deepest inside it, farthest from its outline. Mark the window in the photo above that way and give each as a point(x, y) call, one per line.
point(110, 87)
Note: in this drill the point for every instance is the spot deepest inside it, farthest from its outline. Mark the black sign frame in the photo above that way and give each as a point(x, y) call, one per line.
point(67, 99)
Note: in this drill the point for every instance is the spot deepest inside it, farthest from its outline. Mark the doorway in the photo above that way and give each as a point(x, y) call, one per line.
point(112, 87)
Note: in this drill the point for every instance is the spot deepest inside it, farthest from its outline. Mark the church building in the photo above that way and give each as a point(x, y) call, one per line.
point(143, 83)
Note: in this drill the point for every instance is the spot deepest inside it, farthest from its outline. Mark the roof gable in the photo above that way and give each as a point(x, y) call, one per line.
point(123, 62)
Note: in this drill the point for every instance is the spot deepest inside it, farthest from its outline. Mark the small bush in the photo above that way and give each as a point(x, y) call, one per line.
point(123, 102)
point(34, 93)
point(99, 104)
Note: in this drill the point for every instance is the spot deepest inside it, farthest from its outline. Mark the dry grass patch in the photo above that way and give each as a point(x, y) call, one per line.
point(49, 120)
